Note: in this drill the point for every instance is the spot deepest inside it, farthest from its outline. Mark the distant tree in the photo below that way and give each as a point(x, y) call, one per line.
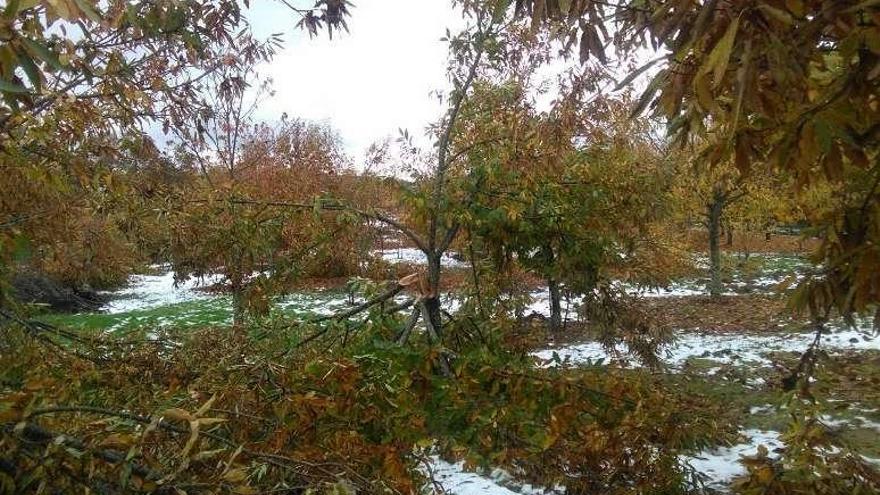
point(789, 84)
point(120, 62)
point(722, 196)
point(568, 194)
point(78, 80)
point(255, 213)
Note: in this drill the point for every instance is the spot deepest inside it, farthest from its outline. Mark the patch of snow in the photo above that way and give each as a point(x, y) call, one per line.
point(722, 464)
point(768, 408)
point(152, 291)
point(541, 304)
point(756, 381)
point(415, 256)
point(455, 480)
point(724, 348)
point(856, 422)
point(674, 290)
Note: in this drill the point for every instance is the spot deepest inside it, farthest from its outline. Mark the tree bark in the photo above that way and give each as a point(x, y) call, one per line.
point(729, 232)
point(238, 302)
point(555, 305)
point(432, 299)
point(714, 223)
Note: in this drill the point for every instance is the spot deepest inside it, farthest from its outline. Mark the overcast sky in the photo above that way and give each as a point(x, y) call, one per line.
point(366, 83)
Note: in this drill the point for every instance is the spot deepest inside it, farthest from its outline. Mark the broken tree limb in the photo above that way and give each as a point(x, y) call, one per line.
point(38, 435)
point(400, 307)
point(299, 467)
point(434, 336)
point(403, 337)
point(388, 294)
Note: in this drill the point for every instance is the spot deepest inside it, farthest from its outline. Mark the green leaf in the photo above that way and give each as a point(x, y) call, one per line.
point(32, 71)
point(864, 5)
point(649, 93)
point(11, 9)
point(778, 14)
point(824, 135)
point(21, 248)
point(15, 6)
point(636, 73)
point(88, 10)
point(717, 60)
point(42, 51)
point(132, 15)
point(8, 87)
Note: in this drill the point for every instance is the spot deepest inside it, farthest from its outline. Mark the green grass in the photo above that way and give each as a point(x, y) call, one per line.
point(214, 311)
point(200, 313)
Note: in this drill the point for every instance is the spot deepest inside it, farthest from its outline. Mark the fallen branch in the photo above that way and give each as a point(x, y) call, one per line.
point(388, 294)
point(98, 349)
point(35, 434)
point(277, 460)
point(400, 307)
point(403, 337)
point(434, 335)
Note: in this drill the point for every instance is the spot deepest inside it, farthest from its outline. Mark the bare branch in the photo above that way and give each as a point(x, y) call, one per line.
point(388, 294)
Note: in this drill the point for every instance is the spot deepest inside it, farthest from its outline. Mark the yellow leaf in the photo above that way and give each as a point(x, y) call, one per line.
point(716, 62)
point(774, 13)
point(796, 7)
point(208, 454)
point(177, 414)
point(209, 421)
point(193, 437)
point(236, 475)
point(704, 93)
point(206, 406)
point(118, 441)
point(764, 474)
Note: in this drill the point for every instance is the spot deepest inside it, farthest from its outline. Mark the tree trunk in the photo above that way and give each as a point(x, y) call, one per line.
point(714, 218)
point(432, 301)
point(431, 310)
point(238, 309)
point(729, 236)
point(555, 305)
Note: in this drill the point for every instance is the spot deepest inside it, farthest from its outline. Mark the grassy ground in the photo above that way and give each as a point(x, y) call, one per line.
point(205, 312)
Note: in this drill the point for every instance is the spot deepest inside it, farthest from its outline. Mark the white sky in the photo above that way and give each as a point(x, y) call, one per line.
point(372, 81)
point(366, 83)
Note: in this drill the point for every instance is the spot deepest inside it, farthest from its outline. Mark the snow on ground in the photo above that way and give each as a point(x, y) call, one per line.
point(455, 480)
point(854, 422)
point(721, 464)
point(726, 348)
point(152, 291)
point(415, 256)
point(308, 303)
